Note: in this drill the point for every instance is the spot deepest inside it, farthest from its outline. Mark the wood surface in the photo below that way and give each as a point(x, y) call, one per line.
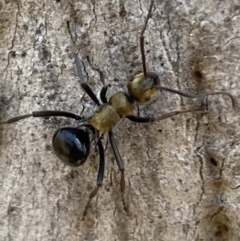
point(182, 174)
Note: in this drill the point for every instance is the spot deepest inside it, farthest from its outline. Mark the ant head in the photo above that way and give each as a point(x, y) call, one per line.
point(153, 77)
point(142, 88)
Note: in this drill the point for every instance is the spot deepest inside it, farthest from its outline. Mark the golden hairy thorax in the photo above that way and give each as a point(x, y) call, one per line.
point(141, 88)
point(121, 104)
point(109, 114)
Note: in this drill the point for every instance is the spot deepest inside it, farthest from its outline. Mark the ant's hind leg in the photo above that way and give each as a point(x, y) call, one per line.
point(46, 113)
point(120, 166)
point(99, 177)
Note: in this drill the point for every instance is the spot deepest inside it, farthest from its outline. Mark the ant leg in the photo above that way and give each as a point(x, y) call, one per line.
point(102, 79)
point(99, 177)
point(104, 88)
point(85, 86)
point(139, 119)
point(120, 166)
point(199, 95)
point(103, 94)
point(142, 39)
point(47, 113)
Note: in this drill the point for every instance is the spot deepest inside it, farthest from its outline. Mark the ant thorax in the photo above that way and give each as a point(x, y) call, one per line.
point(109, 114)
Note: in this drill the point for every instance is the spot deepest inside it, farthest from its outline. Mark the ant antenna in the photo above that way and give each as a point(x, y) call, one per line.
point(142, 39)
point(199, 95)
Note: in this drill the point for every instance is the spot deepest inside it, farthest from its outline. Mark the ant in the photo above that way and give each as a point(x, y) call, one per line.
point(72, 144)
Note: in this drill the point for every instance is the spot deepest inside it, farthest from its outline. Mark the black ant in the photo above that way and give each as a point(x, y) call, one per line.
point(72, 145)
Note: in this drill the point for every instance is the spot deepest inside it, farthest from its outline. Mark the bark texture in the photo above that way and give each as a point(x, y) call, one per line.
point(182, 174)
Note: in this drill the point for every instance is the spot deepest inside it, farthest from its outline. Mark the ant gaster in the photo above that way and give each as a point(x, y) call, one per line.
point(72, 145)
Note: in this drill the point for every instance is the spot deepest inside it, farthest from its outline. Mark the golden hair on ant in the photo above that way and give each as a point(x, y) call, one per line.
point(72, 145)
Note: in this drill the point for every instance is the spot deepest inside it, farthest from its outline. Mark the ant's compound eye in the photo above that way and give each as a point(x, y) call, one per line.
point(155, 79)
point(71, 145)
point(143, 88)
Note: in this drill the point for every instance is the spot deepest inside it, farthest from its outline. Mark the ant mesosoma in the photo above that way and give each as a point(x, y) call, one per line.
point(72, 145)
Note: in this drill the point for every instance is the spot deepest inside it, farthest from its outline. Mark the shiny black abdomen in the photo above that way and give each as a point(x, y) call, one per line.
point(71, 145)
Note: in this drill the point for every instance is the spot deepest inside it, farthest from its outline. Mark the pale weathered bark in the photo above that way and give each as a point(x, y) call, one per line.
point(182, 174)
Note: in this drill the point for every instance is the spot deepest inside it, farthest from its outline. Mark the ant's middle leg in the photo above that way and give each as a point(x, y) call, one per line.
point(85, 86)
point(104, 88)
point(139, 119)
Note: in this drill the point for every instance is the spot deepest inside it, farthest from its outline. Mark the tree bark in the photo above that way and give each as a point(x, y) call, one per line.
point(182, 174)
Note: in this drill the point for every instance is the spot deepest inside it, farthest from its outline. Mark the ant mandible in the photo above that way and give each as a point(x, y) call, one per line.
point(72, 145)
